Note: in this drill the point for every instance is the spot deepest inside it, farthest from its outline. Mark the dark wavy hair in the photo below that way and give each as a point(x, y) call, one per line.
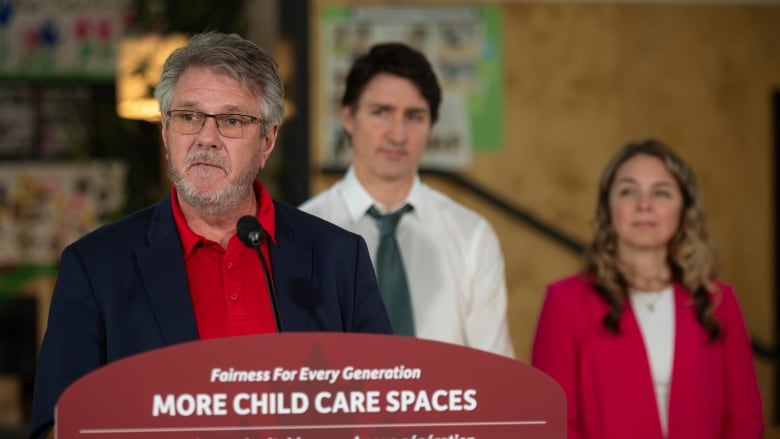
point(690, 255)
point(396, 59)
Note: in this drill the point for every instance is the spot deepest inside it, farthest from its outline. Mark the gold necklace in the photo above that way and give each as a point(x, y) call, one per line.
point(649, 304)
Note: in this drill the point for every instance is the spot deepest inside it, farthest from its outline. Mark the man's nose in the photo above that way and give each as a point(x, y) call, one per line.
point(398, 131)
point(209, 132)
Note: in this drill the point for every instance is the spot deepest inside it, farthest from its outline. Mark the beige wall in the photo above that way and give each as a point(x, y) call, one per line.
point(581, 79)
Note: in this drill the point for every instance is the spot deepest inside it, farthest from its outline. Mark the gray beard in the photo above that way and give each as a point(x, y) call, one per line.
point(214, 202)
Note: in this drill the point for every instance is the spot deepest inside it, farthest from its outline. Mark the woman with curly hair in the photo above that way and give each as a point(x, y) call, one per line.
point(646, 341)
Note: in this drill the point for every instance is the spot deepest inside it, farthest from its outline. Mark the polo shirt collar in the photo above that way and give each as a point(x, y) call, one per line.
point(265, 215)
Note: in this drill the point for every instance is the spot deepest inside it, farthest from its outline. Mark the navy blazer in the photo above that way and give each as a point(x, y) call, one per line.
point(123, 290)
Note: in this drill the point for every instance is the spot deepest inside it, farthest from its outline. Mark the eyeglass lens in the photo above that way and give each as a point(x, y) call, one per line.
point(228, 125)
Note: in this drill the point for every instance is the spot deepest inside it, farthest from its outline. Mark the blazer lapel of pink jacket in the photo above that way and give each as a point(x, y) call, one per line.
point(626, 383)
point(695, 360)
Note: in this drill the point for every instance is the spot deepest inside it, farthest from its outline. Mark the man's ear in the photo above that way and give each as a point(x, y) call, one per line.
point(268, 143)
point(163, 134)
point(348, 119)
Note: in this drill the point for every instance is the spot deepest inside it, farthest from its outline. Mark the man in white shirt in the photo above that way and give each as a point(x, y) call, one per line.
point(451, 255)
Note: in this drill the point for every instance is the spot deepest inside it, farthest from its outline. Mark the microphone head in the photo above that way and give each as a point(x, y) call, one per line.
point(249, 231)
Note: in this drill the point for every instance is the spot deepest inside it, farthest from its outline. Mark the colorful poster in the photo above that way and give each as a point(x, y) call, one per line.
point(463, 44)
point(46, 206)
point(73, 39)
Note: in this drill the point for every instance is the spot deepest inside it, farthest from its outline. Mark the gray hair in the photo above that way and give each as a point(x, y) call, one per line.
point(242, 59)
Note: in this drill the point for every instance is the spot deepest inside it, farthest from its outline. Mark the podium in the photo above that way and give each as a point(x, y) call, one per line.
point(314, 385)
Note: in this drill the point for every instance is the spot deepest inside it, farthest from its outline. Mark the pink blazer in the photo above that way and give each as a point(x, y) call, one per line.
point(606, 377)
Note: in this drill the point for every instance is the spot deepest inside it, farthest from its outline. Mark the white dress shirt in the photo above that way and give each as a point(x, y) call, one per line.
point(452, 258)
point(654, 312)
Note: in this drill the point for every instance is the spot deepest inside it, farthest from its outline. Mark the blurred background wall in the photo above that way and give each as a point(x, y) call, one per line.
point(577, 80)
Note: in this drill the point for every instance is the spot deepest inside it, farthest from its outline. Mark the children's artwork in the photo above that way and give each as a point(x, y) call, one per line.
point(463, 45)
point(46, 206)
point(61, 39)
point(17, 121)
point(45, 122)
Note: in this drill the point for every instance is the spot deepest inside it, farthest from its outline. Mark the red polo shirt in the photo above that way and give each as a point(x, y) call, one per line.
point(228, 286)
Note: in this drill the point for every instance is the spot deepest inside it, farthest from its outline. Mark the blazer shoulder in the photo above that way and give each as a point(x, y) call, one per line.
point(574, 284)
point(130, 230)
point(576, 294)
point(725, 298)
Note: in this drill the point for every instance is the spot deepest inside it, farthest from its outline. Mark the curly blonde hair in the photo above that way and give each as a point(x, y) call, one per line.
point(690, 255)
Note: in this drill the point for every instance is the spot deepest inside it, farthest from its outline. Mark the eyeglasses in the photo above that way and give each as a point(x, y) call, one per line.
point(229, 125)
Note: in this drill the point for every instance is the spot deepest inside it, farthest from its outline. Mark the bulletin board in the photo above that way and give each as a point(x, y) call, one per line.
point(46, 206)
point(75, 39)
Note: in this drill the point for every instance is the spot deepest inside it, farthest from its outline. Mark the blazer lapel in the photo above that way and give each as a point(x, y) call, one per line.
point(291, 264)
point(624, 375)
point(162, 268)
point(694, 360)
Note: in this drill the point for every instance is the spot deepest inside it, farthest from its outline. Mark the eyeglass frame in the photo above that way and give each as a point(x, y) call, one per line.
point(252, 120)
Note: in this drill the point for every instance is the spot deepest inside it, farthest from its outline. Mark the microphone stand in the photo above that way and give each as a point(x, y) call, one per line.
point(251, 233)
point(270, 283)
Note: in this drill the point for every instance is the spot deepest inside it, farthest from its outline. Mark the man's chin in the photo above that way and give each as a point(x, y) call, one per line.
point(201, 193)
point(396, 171)
point(213, 197)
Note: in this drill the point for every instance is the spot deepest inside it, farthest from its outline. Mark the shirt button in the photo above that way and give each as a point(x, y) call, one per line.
point(229, 265)
point(234, 297)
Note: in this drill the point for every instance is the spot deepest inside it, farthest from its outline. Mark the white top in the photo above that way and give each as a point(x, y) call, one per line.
point(654, 312)
point(452, 258)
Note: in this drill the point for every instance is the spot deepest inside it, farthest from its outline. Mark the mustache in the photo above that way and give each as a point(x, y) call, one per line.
point(208, 157)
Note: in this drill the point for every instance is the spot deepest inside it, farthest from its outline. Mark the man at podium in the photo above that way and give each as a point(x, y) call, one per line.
point(216, 258)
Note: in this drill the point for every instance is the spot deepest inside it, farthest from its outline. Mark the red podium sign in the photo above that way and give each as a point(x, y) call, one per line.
point(314, 386)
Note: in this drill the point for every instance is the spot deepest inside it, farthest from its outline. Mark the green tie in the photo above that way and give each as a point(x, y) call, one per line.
point(391, 273)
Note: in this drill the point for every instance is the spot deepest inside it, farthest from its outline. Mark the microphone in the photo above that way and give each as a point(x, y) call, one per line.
point(251, 233)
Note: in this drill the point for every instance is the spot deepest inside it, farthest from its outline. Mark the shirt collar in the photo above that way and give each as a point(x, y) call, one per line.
point(358, 200)
point(265, 215)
